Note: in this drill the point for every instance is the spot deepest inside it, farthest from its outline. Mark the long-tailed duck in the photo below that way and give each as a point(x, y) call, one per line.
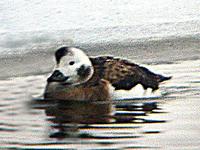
point(77, 76)
point(72, 81)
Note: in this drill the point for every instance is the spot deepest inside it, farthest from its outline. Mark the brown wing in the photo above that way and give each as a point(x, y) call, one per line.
point(123, 74)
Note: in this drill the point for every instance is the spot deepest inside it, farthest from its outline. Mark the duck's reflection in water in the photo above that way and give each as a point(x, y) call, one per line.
point(67, 117)
point(82, 112)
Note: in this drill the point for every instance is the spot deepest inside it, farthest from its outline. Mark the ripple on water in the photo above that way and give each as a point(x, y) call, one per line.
point(134, 121)
point(6, 129)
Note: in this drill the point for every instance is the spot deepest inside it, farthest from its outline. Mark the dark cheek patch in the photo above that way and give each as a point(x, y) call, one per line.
point(83, 71)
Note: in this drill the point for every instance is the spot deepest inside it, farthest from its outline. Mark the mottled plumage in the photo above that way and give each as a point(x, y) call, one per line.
point(77, 76)
point(123, 74)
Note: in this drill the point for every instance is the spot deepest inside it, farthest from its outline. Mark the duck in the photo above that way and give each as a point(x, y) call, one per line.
point(79, 76)
point(80, 97)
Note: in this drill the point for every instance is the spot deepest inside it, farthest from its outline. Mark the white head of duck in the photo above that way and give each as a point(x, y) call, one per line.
point(73, 66)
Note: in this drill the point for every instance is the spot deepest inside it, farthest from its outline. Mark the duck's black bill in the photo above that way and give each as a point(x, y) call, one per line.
point(57, 76)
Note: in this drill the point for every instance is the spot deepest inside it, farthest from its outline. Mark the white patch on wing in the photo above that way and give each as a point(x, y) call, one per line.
point(136, 92)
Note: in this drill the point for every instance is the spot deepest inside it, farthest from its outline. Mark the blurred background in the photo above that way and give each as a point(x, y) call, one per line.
point(147, 30)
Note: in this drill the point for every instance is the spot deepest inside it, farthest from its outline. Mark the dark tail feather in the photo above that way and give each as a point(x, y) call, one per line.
point(161, 78)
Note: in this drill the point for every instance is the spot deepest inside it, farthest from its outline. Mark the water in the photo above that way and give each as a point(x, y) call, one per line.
point(32, 30)
point(28, 26)
point(162, 35)
point(169, 122)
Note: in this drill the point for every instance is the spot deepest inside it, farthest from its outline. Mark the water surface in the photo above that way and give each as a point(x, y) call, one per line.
point(170, 122)
point(162, 35)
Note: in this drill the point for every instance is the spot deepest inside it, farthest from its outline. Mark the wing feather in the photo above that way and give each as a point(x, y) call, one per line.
point(124, 74)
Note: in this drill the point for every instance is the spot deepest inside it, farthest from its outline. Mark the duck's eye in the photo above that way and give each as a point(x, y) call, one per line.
point(71, 62)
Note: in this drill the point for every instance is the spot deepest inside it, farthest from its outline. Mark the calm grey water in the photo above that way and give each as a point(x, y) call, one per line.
point(28, 26)
point(147, 31)
point(163, 35)
point(170, 122)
